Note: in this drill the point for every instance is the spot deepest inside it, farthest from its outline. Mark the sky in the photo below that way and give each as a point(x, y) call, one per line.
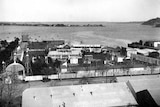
point(78, 10)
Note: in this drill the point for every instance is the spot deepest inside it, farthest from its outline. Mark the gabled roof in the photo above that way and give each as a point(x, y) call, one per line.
point(14, 67)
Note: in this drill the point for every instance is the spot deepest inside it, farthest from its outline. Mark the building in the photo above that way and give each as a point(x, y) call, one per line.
point(111, 50)
point(91, 48)
point(85, 46)
point(74, 60)
point(90, 95)
point(157, 44)
point(37, 45)
point(118, 58)
point(145, 59)
point(154, 43)
point(36, 49)
point(145, 51)
point(65, 55)
point(146, 90)
point(54, 43)
point(88, 59)
point(131, 51)
point(15, 68)
point(45, 44)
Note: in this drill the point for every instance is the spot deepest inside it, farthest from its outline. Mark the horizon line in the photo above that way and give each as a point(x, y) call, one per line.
point(68, 21)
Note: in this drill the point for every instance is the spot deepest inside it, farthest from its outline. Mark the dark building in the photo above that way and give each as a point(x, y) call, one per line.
point(45, 44)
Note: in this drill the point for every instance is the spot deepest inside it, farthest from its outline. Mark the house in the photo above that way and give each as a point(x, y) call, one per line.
point(118, 58)
point(157, 44)
point(91, 48)
point(131, 51)
point(55, 43)
point(74, 60)
point(45, 44)
point(86, 46)
point(64, 55)
point(152, 43)
point(37, 45)
point(95, 58)
point(64, 67)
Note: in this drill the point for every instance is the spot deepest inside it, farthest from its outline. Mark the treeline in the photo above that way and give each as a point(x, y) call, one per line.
point(6, 50)
point(51, 25)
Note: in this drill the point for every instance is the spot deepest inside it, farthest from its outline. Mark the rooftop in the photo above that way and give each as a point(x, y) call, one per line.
point(63, 53)
point(151, 85)
point(44, 44)
point(87, 45)
point(91, 95)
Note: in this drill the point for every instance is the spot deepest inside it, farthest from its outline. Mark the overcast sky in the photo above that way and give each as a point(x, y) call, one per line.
point(78, 10)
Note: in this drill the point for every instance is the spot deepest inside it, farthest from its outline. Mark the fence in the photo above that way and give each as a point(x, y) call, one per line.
point(145, 59)
point(100, 73)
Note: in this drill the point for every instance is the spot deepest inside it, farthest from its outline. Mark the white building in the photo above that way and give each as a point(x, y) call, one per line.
point(131, 51)
point(74, 60)
point(86, 46)
point(157, 44)
point(92, 48)
point(72, 55)
point(118, 58)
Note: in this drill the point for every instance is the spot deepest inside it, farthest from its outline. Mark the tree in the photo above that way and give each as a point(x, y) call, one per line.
point(4, 43)
point(57, 63)
point(140, 42)
point(8, 89)
point(6, 53)
point(123, 51)
point(37, 67)
point(51, 65)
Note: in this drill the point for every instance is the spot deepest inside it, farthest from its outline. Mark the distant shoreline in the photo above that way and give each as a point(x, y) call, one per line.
point(49, 25)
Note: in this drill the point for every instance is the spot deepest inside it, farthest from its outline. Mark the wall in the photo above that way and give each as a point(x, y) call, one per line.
point(100, 73)
point(145, 59)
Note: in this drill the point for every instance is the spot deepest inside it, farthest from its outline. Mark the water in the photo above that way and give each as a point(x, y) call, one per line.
point(112, 34)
